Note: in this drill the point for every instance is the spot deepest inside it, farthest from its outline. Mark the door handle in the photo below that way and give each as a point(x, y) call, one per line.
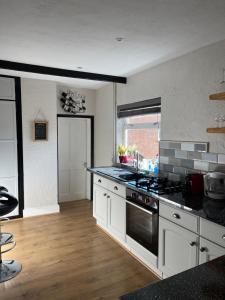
point(223, 237)
point(115, 188)
point(99, 181)
point(104, 194)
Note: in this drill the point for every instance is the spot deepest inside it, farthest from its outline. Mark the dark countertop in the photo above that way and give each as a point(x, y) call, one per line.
point(204, 207)
point(206, 281)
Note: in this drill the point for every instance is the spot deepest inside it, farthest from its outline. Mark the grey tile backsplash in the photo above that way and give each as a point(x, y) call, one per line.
point(182, 158)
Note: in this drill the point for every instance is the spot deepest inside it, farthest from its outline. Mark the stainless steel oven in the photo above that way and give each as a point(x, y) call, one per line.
point(142, 219)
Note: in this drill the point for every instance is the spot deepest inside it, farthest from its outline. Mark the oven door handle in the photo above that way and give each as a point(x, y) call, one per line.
point(150, 212)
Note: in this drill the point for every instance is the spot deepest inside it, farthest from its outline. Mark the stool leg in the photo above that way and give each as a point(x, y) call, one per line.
point(8, 268)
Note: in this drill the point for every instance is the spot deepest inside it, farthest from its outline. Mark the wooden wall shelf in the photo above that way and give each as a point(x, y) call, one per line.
point(216, 130)
point(218, 96)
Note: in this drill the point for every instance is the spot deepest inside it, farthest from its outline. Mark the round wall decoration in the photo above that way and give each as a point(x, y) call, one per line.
point(73, 102)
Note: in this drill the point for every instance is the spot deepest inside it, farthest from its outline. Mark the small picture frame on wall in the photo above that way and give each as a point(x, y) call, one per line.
point(40, 131)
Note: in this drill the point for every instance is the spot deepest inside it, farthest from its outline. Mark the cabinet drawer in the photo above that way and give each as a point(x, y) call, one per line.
point(179, 217)
point(117, 188)
point(101, 181)
point(212, 231)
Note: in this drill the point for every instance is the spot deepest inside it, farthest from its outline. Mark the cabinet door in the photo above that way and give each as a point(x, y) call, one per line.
point(178, 248)
point(209, 251)
point(117, 215)
point(100, 207)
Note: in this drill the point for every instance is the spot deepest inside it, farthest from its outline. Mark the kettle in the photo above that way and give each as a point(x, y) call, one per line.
point(214, 185)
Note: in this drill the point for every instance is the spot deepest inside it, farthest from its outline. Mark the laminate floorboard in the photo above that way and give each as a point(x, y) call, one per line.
point(65, 256)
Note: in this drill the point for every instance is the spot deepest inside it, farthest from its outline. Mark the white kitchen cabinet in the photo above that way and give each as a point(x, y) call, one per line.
point(178, 248)
point(109, 208)
point(209, 251)
point(178, 216)
point(117, 216)
point(100, 204)
point(212, 231)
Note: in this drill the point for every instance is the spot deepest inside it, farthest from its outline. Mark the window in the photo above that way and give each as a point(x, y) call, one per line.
point(140, 133)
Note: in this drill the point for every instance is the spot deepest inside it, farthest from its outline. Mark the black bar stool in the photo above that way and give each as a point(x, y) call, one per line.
point(8, 268)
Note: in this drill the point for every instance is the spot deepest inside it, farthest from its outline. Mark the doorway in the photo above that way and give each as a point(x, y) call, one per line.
point(11, 149)
point(75, 154)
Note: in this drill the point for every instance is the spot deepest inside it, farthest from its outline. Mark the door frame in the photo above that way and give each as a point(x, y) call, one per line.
point(19, 135)
point(92, 144)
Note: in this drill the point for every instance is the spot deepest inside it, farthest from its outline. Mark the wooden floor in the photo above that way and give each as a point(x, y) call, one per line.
point(66, 256)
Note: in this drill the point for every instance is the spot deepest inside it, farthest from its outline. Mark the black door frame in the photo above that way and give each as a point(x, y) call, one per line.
point(92, 143)
point(19, 132)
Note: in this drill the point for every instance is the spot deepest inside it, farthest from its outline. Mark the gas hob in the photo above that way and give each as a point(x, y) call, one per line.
point(158, 185)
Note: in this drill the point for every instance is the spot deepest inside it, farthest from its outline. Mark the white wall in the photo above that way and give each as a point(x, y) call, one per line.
point(88, 93)
point(104, 126)
point(184, 84)
point(40, 158)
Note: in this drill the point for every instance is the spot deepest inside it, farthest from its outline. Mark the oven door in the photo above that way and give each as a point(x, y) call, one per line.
point(142, 226)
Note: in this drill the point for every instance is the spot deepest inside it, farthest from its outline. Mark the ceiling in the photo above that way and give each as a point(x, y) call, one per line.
point(72, 33)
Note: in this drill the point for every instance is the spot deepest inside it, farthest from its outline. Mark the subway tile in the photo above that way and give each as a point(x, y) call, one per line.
point(201, 147)
point(169, 145)
point(187, 163)
point(173, 161)
point(164, 144)
point(191, 171)
point(180, 170)
point(175, 145)
point(167, 152)
point(168, 168)
point(188, 146)
point(220, 168)
point(201, 165)
point(213, 167)
point(211, 157)
point(180, 154)
point(221, 158)
point(164, 159)
point(194, 155)
point(161, 167)
point(174, 177)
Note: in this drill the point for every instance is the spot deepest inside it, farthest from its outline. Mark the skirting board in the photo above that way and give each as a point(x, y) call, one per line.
point(43, 210)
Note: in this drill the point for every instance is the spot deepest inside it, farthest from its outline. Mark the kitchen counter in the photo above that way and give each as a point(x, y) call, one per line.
point(204, 207)
point(206, 281)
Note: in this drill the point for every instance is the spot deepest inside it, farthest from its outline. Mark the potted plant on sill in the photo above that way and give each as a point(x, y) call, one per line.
point(131, 151)
point(122, 154)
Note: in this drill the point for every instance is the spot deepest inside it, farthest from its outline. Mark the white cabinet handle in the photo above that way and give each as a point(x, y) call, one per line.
point(176, 216)
point(192, 244)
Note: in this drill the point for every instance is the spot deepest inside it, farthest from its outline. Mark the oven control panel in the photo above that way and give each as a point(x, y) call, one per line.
point(141, 199)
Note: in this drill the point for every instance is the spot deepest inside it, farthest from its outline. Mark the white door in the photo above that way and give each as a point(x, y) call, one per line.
point(73, 158)
point(178, 248)
point(209, 251)
point(8, 138)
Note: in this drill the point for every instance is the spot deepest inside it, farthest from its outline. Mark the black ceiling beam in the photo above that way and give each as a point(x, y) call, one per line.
point(15, 66)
